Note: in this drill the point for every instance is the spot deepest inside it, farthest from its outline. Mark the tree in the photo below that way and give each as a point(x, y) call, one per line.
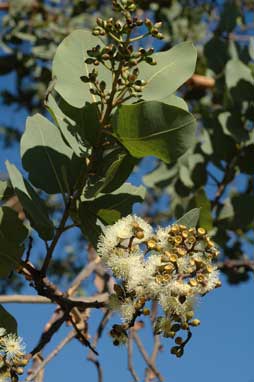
point(133, 115)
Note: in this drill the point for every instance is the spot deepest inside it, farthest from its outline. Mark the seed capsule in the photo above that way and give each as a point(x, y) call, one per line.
point(200, 279)
point(181, 252)
point(151, 244)
point(178, 239)
point(195, 322)
point(201, 231)
point(193, 282)
point(185, 234)
point(169, 268)
point(179, 340)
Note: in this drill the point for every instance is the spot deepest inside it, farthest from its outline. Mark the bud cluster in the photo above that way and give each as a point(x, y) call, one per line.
point(12, 357)
point(173, 266)
point(119, 56)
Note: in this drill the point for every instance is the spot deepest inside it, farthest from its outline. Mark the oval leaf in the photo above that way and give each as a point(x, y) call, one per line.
point(51, 164)
point(174, 67)
point(32, 204)
point(154, 128)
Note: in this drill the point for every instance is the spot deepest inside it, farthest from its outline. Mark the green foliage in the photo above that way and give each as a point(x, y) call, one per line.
point(174, 68)
point(107, 209)
point(190, 219)
point(69, 67)
point(31, 203)
point(7, 321)
point(154, 128)
point(43, 151)
point(12, 235)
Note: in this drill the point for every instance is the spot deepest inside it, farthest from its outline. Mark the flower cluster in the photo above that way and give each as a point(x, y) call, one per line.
point(12, 356)
point(173, 266)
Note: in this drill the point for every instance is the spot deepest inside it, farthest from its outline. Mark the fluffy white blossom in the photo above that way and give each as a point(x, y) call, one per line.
point(120, 233)
point(172, 265)
point(12, 346)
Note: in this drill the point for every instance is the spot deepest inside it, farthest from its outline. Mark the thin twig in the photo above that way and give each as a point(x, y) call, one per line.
point(46, 336)
point(85, 273)
point(81, 336)
point(53, 354)
point(146, 357)
point(81, 302)
point(57, 236)
point(130, 356)
point(91, 357)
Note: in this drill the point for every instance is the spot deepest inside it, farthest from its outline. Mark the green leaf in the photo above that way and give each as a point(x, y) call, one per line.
point(10, 255)
point(243, 206)
point(159, 175)
point(5, 190)
point(173, 100)
point(251, 48)
point(51, 164)
point(11, 226)
point(108, 209)
point(245, 161)
point(7, 321)
point(235, 71)
point(12, 235)
point(233, 126)
point(217, 61)
point(205, 218)
point(154, 128)
point(118, 172)
point(69, 66)
point(32, 204)
point(174, 67)
point(190, 219)
point(80, 127)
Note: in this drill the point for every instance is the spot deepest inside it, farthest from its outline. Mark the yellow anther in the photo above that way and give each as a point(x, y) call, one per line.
point(182, 227)
point(192, 231)
point(218, 284)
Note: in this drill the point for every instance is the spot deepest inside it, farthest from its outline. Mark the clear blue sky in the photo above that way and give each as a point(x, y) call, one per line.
point(221, 350)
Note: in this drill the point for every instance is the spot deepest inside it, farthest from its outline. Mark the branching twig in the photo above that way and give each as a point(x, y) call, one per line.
point(146, 357)
point(53, 354)
point(130, 356)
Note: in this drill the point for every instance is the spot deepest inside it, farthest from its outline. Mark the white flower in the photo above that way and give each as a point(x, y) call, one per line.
point(172, 305)
point(162, 236)
point(2, 332)
point(12, 346)
point(122, 232)
point(179, 288)
point(123, 266)
point(212, 280)
point(127, 311)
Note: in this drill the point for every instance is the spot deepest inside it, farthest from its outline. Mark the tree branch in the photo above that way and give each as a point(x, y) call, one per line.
point(130, 356)
point(53, 354)
point(146, 357)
